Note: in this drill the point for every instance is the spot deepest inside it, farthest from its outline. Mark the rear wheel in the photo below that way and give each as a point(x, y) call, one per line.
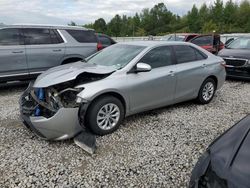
point(105, 115)
point(207, 91)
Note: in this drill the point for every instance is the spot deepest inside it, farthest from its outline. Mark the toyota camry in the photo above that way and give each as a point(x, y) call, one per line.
point(121, 80)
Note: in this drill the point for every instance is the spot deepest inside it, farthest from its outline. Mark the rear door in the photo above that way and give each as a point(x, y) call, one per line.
point(44, 48)
point(155, 88)
point(191, 71)
point(12, 53)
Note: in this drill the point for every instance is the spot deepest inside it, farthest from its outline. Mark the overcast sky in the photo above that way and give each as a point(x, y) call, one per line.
point(81, 11)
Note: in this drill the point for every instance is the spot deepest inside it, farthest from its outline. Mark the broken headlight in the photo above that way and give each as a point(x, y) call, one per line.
point(67, 97)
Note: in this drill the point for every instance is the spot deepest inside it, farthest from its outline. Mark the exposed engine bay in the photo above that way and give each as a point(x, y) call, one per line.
point(47, 101)
point(53, 112)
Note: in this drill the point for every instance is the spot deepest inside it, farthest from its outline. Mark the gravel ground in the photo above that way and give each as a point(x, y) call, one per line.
point(153, 149)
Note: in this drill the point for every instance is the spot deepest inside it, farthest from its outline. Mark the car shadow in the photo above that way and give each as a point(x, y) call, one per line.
point(13, 86)
point(158, 111)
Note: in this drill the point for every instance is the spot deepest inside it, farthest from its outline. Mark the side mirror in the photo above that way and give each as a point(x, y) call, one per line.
point(143, 67)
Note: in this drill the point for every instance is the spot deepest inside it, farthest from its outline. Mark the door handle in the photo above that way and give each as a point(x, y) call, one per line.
point(58, 50)
point(17, 52)
point(171, 73)
point(204, 65)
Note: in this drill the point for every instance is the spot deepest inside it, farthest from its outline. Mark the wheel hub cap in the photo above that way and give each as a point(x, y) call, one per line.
point(208, 91)
point(108, 116)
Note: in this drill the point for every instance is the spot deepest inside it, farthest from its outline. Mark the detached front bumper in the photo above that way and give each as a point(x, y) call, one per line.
point(63, 124)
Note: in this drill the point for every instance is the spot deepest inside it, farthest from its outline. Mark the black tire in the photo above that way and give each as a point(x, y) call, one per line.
point(201, 99)
point(95, 107)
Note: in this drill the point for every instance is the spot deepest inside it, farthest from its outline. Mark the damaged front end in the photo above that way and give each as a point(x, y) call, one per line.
point(51, 108)
point(51, 113)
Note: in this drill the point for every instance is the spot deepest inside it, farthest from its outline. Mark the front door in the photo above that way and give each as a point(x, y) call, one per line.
point(12, 53)
point(154, 88)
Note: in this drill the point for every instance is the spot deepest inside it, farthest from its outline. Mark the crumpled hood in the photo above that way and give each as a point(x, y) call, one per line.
point(68, 72)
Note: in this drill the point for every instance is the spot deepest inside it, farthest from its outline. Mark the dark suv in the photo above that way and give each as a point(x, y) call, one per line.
point(28, 50)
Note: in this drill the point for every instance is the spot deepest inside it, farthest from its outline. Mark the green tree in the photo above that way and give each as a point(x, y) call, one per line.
point(204, 14)
point(244, 16)
point(230, 16)
point(209, 27)
point(72, 23)
point(90, 26)
point(218, 14)
point(140, 32)
point(115, 26)
point(193, 21)
point(100, 25)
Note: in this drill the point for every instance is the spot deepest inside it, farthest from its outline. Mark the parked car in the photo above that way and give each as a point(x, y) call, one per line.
point(185, 37)
point(104, 41)
point(28, 50)
point(121, 80)
point(210, 42)
point(237, 58)
point(226, 162)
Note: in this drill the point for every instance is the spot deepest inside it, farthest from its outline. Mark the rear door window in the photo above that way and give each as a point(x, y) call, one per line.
point(83, 36)
point(36, 36)
point(55, 37)
point(186, 54)
point(203, 41)
point(10, 36)
point(159, 57)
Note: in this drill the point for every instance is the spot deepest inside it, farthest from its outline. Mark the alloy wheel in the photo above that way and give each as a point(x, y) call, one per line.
point(108, 116)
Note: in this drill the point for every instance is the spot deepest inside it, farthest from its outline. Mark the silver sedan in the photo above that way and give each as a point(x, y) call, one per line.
point(124, 79)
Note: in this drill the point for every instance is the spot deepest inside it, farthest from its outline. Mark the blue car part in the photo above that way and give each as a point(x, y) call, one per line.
point(40, 95)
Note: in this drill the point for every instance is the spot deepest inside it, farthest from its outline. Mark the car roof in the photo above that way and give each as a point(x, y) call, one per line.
point(154, 43)
point(181, 34)
point(186, 34)
point(44, 26)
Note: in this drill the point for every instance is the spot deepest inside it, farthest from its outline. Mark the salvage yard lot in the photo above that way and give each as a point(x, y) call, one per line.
point(156, 148)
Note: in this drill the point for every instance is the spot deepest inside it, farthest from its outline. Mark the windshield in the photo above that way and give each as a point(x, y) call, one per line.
point(240, 43)
point(117, 56)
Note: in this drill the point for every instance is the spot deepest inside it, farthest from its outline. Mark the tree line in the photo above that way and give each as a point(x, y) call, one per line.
point(219, 17)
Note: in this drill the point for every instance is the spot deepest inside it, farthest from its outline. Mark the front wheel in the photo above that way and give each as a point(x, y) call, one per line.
point(207, 91)
point(105, 115)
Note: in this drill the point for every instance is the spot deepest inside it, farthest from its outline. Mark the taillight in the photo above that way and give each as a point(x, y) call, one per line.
point(99, 46)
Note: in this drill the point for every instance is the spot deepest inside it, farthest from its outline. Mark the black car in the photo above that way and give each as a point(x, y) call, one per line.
point(226, 162)
point(104, 41)
point(237, 58)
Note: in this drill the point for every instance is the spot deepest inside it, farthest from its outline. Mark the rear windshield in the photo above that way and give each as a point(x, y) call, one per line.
point(117, 56)
point(240, 43)
point(83, 36)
